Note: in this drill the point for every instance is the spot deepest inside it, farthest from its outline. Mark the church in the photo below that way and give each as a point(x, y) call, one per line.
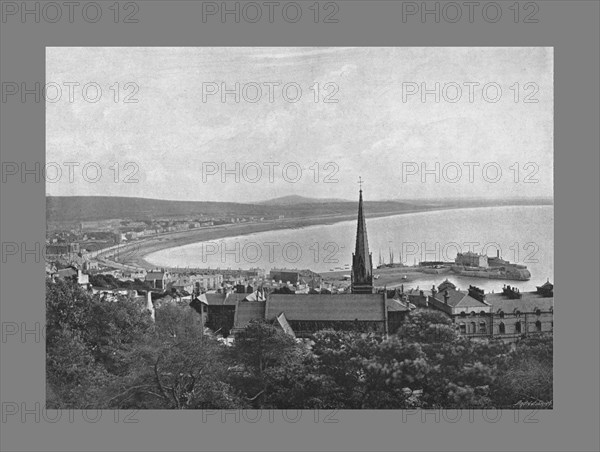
point(304, 314)
point(364, 309)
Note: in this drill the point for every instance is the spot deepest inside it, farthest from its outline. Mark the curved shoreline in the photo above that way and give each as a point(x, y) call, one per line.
point(134, 254)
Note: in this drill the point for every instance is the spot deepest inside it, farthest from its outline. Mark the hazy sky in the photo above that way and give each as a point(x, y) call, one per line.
point(173, 131)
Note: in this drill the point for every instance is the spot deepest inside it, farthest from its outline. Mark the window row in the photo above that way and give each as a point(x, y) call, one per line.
point(472, 327)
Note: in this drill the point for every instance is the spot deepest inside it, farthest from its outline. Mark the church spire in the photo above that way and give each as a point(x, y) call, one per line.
point(362, 264)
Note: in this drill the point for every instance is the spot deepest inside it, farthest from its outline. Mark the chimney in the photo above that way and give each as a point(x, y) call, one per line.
point(498, 254)
point(150, 305)
point(433, 291)
point(446, 296)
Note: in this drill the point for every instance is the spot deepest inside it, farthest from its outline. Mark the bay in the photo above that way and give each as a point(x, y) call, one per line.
point(521, 234)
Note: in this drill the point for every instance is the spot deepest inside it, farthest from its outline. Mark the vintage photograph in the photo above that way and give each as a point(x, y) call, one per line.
point(343, 228)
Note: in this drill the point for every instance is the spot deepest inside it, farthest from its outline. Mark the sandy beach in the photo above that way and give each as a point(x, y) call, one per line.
point(133, 254)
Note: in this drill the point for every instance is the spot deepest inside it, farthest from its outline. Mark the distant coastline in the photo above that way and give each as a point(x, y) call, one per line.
point(134, 254)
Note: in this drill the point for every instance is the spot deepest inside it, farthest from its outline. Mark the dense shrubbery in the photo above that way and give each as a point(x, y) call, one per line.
point(111, 355)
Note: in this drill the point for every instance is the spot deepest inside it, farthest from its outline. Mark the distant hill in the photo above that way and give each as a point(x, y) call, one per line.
point(295, 199)
point(68, 209)
point(91, 208)
point(65, 209)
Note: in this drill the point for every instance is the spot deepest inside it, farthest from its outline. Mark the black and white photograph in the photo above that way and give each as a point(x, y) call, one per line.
point(309, 228)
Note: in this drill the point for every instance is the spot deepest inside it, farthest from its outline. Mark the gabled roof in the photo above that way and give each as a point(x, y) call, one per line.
point(446, 284)
point(214, 299)
point(344, 307)
point(155, 275)
point(458, 299)
point(396, 305)
point(233, 297)
point(285, 326)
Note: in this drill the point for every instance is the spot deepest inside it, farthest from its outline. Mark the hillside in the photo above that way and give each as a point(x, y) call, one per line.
point(64, 209)
point(295, 200)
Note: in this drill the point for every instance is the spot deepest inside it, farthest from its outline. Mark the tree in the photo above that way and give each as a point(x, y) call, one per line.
point(257, 349)
point(527, 374)
point(90, 343)
point(182, 368)
point(367, 371)
point(461, 369)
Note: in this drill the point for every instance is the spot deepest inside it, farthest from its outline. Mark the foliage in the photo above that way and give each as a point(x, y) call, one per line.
point(527, 375)
point(103, 354)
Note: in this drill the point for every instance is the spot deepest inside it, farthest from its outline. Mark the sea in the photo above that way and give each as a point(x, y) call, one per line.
point(519, 234)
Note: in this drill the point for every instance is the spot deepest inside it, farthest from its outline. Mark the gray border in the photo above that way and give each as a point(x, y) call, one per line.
point(571, 27)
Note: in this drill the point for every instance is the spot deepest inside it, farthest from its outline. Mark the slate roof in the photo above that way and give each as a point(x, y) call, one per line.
point(529, 302)
point(395, 305)
point(343, 307)
point(154, 275)
point(245, 312)
point(221, 299)
point(458, 299)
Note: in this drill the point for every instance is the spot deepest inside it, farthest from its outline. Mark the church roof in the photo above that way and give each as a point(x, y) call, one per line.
point(251, 310)
point(343, 307)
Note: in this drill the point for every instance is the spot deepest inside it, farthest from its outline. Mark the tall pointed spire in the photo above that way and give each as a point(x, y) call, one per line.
point(362, 264)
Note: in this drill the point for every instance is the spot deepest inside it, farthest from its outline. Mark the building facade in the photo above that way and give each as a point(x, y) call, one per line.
point(508, 315)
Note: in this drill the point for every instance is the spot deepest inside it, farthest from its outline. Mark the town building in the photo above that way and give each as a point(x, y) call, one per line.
point(508, 315)
point(471, 259)
point(295, 276)
point(304, 314)
point(158, 279)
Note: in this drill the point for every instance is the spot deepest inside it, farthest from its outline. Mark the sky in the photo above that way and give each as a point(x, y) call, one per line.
point(176, 140)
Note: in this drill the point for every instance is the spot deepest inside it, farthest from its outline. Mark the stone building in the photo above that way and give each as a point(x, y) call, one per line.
point(508, 315)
